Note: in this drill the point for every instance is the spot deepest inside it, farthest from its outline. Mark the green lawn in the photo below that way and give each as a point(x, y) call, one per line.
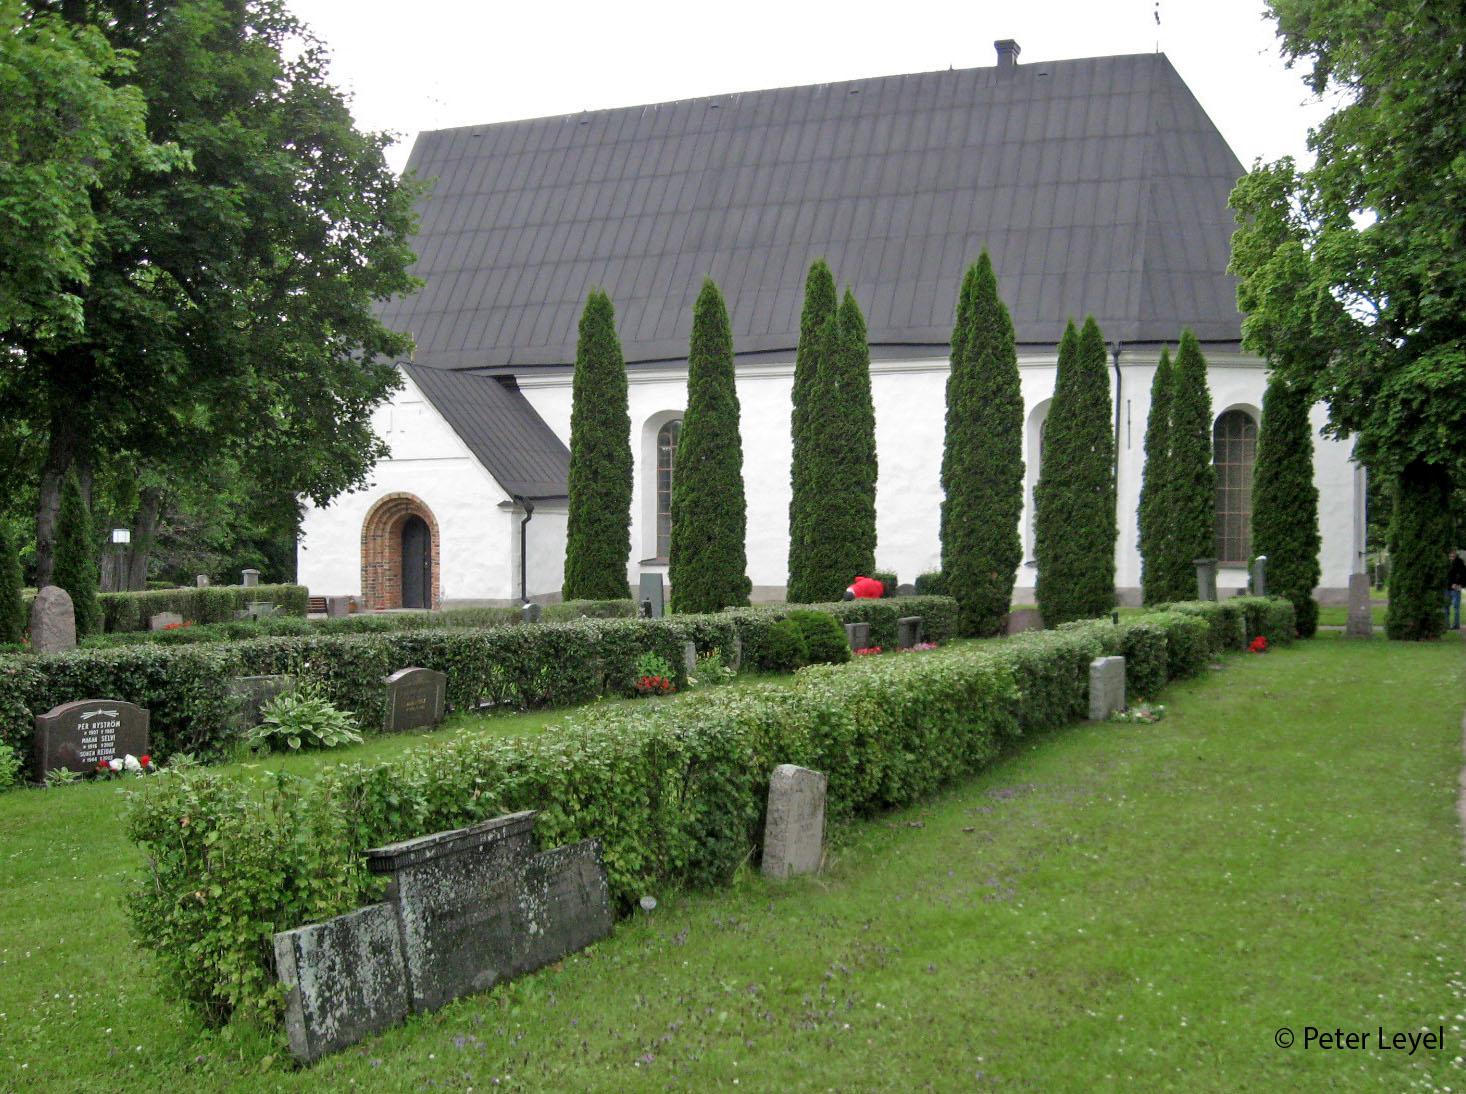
point(1110, 907)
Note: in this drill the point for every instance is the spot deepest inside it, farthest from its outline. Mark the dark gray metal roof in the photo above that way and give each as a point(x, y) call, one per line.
point(496, 421)
point(1098, 186)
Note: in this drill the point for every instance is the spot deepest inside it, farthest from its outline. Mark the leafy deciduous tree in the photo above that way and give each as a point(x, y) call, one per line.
point(598, 537)
point(707, 562)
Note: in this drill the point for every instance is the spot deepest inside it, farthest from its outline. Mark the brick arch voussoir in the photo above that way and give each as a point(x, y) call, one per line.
point(381, 549)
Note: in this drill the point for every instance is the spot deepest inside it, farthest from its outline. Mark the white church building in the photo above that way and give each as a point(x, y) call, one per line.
point(1098, 186)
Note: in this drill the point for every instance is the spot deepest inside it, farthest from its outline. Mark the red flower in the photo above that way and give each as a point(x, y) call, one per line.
point(1258, 644)
point(145, 760)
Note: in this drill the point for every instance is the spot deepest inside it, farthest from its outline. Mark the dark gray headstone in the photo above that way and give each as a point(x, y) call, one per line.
point(1259, 576)
point(531, 613)
point(564, 904)
point(858, 635)
point(1206, 578)
point(650, 589)
point(456, 894)
point(338, 607)
point(908, 631)
point(89, 732)
point(794, 832)
point(1106, 687)
point(164, 620)
point(253, 694)
point(53, 621)
point(1360, 623)
point(249, 577)
point(345, 980)
point(415, 697)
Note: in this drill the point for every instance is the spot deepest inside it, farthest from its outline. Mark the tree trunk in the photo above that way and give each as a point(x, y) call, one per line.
point(144, 533)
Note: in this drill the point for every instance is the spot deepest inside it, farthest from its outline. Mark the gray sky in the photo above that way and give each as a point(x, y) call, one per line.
point(433, 64)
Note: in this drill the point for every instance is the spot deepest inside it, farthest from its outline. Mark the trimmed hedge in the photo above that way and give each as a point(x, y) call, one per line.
point(211, 604)
point(674, 792)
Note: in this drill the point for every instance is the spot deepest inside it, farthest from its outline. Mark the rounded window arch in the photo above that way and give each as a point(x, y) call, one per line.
point(666, 457)
point(1234, 452)
point(1036, 435)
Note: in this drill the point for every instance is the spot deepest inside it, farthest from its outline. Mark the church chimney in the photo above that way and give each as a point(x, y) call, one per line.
point(1007, 53)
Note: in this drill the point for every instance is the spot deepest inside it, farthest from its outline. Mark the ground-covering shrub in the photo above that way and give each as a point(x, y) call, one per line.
point(783, 648)
point(673, 792)
point(824, 638)
point(211, 604)
point(304, 718)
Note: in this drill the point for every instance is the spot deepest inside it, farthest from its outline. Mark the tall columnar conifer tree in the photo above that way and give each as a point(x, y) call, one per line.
point(1074, 518)
point(12, 613)
point(75, 569)
point(1191, 501)
point(598, 537)
point(840, 533)
point(1420, 534)
point(1152, 510)
point(707, 565)
point(982, 461)
point(1285, 501)
point(819, 306)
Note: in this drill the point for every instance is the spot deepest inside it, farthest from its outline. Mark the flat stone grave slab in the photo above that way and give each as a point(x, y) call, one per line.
point(164, 620)
point(908, 631)
point(88, 732)
point(858, 635)
point(1106, 687)
point(345, 979)
point(1360, 623)
point(650, 588)
point(53, 620)
point(253, 694)
point(794, 831)
point(415, 698)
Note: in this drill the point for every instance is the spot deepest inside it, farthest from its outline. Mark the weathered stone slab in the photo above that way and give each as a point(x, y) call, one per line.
point(1106, 687)
point(733, 655)
point(689, 659)
point(1206, 578)
point(1259, 576)
point(249, 578)
point(531, 613)
point(53, 620)
point(564, 905)
point(338, 607)
point(346, 980)
point(457, 905)
point(415, 697)
point(1024, 619)
point(794, 831)
point(1360, 623)
point(89, 732)
point(164, 620)
point(253, 694)
point(858, 635)
point(201, 581)
point(650, 589)
point(908, 631)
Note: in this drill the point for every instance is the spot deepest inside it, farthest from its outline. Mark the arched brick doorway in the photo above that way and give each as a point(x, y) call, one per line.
point(398, 531)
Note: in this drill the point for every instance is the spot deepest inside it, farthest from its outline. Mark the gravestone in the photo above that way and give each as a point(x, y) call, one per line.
point(733, 655)
point(201, 581)
point(1360, 623)
point(689, 659)
point(345, 979)
point(906, 590)
point(252, 694)
point(1024, 619)
point(164, 620)
point(89, 732)
point(53, 621)
point(1259, 576)
point(415, 697)
point(531, 613)
point(338, 607)
point(794, 833)
point(650, 589)
point(249, 578)
point(1206, 578)
point(1106, 687)
point(908, 631)
point(463, 910)
point(858, 635)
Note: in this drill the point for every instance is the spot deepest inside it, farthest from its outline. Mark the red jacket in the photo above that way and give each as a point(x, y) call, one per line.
point(867, 588)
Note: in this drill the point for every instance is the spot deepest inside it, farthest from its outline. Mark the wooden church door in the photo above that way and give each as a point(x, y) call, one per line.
point(417, 564)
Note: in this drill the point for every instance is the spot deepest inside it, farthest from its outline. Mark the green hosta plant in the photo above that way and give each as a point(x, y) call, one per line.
point(304, 718)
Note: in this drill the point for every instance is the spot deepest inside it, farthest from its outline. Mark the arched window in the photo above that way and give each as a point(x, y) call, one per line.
point(666, 456)
point(1234, 449)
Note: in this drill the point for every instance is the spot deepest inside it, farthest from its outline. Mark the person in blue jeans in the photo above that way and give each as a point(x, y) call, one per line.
point(1455, 578)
